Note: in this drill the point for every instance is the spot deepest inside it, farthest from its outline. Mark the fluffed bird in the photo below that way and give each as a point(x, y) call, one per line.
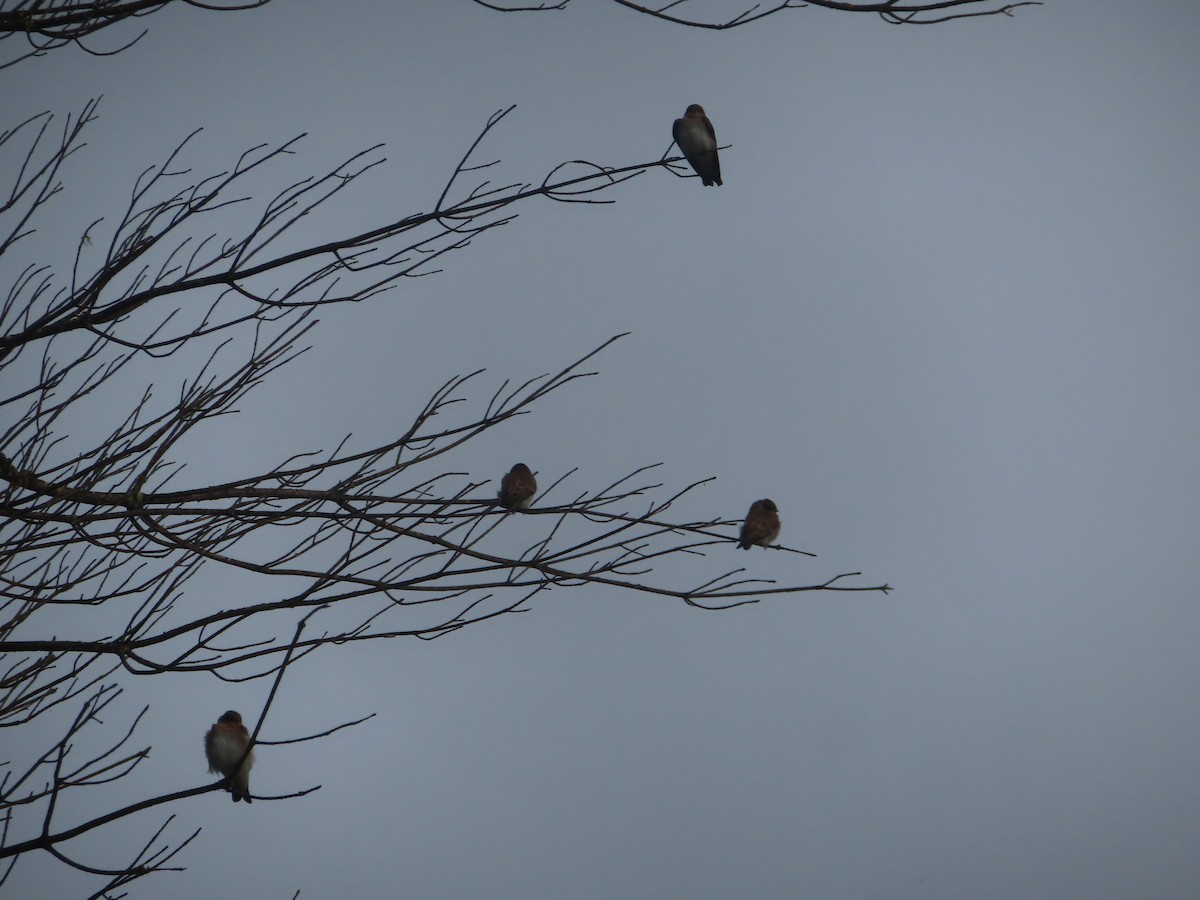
point(517, 488)
point(224, 745)
point(761, 526)
point(698, 142)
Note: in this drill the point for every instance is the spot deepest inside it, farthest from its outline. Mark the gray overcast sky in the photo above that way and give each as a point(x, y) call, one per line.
point(943, 311)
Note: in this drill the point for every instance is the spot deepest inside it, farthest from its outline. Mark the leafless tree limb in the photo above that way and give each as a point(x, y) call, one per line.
point(45, 25)
point(721, 15)
point(197, 286)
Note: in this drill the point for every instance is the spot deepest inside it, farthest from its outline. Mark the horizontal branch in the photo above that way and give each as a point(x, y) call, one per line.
point(896, 12)
point(49, 24)
point(84, 313)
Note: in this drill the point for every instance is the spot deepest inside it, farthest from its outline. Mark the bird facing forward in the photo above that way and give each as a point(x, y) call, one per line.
point(698, 142)
point(517, 488)
point(761, 526)
point(224, 745)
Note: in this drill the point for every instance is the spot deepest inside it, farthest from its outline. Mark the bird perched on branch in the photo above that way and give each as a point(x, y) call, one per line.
point(517, 488)
point(224, 745)
point(761, 526)
point(698, 142)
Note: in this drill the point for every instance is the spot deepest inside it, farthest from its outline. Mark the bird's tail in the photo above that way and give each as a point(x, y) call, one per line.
point(239, 786)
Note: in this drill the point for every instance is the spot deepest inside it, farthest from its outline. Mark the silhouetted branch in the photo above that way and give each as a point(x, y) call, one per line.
point(721, 15)
point(45, 25)
point(170, 318)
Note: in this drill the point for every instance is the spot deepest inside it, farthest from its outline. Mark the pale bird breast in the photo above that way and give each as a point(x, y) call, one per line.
point(224, 752)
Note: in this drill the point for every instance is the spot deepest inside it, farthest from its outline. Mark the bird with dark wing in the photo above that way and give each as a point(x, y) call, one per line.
point(517, 488)
point(761, 526)
point(698, 143)
point(224, 745)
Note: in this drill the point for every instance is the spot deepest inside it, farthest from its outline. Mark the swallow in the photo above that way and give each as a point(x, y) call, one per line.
point(761, 526)
point(698, 142)
point(517, 488)
point(224, 745)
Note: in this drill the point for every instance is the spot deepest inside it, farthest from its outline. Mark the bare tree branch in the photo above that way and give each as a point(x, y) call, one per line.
point(45, 25)
point(721, 15)
point(116, 366)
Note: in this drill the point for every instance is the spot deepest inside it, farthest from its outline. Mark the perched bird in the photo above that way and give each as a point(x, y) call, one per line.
point(698, 142)
point(517, 488)
point(761, 526)
point(224, 745)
